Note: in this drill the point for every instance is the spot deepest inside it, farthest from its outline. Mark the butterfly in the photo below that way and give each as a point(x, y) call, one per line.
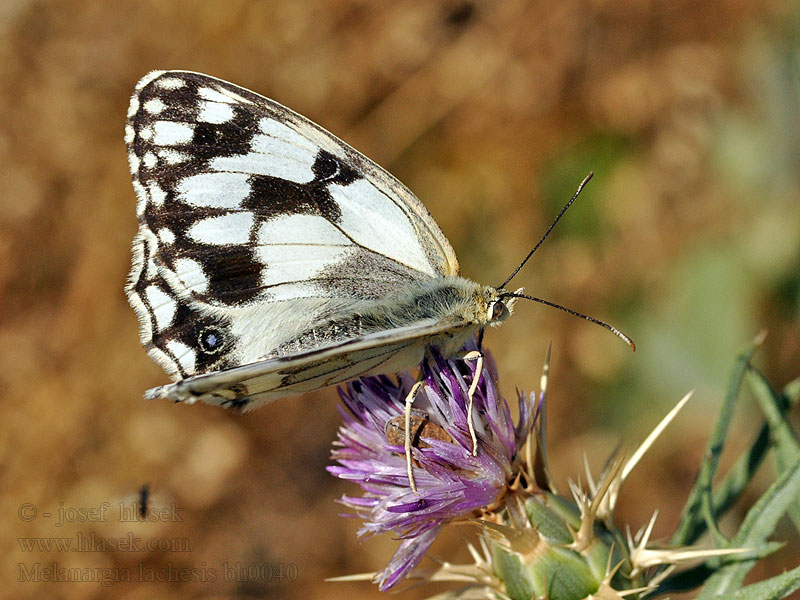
point(272, 259)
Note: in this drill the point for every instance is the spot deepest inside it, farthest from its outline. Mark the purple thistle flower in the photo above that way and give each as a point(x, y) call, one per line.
point(452, 483)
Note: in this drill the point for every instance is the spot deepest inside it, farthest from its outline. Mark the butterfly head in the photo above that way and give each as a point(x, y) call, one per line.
point(499, 304)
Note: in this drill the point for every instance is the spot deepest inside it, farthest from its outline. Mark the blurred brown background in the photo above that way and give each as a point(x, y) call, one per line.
point(688, 239)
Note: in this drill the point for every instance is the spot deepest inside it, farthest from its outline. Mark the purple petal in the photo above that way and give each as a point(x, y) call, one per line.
point(452, 484)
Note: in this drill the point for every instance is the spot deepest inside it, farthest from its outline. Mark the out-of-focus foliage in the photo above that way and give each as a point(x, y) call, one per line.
point(688, 239)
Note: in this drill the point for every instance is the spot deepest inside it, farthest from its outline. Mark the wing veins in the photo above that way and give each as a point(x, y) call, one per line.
point(355, 243)
point(199, 384)
point(388, 353)
point(241, 129)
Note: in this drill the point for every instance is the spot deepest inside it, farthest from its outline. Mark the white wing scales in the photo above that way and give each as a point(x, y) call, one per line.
point(257, 230)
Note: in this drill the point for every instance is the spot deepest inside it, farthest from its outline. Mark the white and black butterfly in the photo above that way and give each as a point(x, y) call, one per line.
point(272, 258)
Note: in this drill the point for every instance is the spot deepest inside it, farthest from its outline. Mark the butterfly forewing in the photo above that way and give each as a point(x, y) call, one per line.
point(256, 226)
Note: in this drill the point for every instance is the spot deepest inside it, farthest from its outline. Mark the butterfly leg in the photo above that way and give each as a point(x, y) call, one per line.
point(477, 356)
point(409, 401)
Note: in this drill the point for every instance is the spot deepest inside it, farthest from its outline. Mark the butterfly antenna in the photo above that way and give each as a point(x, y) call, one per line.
point(549, 229)
point(611, 328)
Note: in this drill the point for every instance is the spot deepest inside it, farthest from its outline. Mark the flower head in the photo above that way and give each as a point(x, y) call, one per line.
point(452, 484)
point(531, 542)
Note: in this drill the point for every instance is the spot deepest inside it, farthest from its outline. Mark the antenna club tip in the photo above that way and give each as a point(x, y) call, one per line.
point(628, 341)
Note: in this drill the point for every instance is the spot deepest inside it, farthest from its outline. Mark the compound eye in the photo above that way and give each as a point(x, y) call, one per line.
point(498, 310)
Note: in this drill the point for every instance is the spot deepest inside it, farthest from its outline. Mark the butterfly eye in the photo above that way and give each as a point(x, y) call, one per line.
point(211, 340)
point(498, 311)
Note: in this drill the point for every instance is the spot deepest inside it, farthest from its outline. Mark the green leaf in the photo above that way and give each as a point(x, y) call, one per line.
point(784, 439)
point(729, 489)
point(774, 407)
point(774, 588)
point(698, 513)
point(758, 524)
point(739, 475)
point(737, 478)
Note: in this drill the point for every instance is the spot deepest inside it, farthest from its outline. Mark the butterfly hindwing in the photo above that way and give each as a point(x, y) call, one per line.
point(250, 385)
point(260, 234)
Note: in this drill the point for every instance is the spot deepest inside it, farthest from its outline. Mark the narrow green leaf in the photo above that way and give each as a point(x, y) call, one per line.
point(728, 490)
point(774, 588)
point(784, 439)
point(737, 478)
point(758, 524)
point(698, 513)
point(774, 407)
